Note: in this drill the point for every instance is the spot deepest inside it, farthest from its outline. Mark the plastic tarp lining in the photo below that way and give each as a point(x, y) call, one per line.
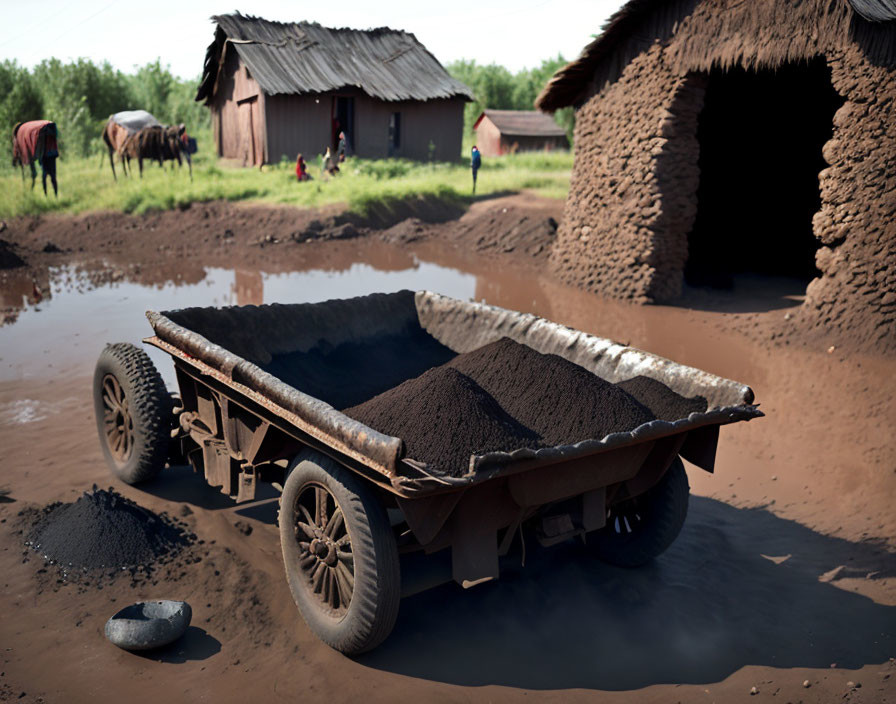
point(135, 120)
point(241, 341)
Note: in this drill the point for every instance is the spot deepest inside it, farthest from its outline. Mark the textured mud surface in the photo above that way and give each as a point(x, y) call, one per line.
point(503, 396)
point(559, 400)
point(662, 401)
point(444, 417)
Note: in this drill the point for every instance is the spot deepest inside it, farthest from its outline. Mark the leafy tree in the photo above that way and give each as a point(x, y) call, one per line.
point(20, 99)
point(497, 88)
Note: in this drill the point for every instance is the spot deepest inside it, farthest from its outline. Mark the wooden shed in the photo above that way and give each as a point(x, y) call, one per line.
point(280, 89)
point(721, 137)
point(507, 131)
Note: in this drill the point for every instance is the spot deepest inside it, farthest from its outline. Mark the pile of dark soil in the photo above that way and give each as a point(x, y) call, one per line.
point(347, 374)
point(556, 398)
point(444, 417)
point(8, 258)
point(662, 401)
point(102, 529)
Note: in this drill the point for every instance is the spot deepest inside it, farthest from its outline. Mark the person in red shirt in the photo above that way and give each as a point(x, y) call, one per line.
point(302, 170)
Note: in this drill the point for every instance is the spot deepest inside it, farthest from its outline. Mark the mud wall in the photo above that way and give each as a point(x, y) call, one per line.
point(633, 198)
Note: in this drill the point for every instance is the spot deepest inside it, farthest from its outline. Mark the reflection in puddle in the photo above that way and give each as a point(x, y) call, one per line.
point(82, 308)
point(65, 331)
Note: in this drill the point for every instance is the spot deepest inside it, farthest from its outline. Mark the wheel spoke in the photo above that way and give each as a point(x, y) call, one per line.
point(307, 515)
point(334, 524)
point(109, 402)
point(306, 529)
point(320, 506)
point(317, 578)
point(346, 576)
point(345, 557)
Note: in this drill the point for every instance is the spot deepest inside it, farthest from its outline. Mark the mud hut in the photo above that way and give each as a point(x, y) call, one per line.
point(280, 89)
point(507, 131)
point(715, 137)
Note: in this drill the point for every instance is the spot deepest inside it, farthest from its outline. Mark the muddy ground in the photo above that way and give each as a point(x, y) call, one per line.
point(785, 571)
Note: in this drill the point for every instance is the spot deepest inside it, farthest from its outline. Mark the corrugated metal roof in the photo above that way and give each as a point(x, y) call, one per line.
point(875, 10)
point(523, 123)
point(304, 57)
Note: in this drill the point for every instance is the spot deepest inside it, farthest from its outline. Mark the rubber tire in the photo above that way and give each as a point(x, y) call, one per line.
point(149, 403)
point(373, 609)
point(667, 508)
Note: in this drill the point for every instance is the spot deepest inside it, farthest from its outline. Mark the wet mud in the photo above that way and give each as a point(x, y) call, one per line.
point(784, 571)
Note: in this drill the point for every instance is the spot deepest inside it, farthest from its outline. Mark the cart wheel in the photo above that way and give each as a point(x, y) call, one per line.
point(642, 528)
point(340, 554)
point(133, 413)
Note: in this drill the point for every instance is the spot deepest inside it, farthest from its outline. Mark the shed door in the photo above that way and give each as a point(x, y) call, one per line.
point(251, 151)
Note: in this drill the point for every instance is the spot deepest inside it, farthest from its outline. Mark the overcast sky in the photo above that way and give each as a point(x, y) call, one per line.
point(515, 33)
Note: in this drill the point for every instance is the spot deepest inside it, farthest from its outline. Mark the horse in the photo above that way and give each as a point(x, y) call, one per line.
point(120, 128)
point(136, 134)
point(36, 141)
point(157, 143)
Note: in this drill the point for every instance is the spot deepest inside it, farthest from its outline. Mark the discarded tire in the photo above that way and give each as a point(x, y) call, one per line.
point(149, 624)
point(340, 555)
point(642, 528)
point(133, 413)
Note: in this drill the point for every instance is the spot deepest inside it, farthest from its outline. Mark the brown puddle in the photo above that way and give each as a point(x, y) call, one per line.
point(829, 417)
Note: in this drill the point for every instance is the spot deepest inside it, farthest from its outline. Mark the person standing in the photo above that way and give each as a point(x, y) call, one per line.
point(475, 163)
point(340, 150)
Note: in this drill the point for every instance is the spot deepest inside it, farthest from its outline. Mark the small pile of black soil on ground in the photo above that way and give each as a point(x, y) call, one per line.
point(8, 257)
point(443, 417)
point(662, 401)
point(561, 401)
point(103, 529)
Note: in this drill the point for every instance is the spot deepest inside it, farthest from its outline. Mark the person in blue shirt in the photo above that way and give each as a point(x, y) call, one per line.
point(475, 163)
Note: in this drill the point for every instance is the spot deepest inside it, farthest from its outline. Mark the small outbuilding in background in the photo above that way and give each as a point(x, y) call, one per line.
point(507, 131)
point(280, 89)
point(720, 137)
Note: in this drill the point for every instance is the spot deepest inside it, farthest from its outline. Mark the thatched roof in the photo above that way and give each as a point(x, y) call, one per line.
point(639, 23)
point(303, 57)
point(523, 123)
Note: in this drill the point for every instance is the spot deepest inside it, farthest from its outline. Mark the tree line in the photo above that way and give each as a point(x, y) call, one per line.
point(497, 88)
point(80, 95)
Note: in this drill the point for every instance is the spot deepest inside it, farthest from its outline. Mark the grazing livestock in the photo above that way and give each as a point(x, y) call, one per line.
point(36, 141)
point(136, 134)
point(157, 143)
point(120, 128)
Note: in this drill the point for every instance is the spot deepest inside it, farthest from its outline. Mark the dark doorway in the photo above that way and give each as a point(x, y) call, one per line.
point(760, 134)
point(344, 121)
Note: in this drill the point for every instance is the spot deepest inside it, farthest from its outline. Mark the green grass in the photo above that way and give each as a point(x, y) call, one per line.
point(86, 185)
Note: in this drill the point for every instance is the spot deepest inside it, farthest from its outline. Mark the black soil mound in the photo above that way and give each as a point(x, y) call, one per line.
point(8, 258)
point(561, 401)
point(347, 374)
point(443, 417)
point(103, 529)
point(662, 401)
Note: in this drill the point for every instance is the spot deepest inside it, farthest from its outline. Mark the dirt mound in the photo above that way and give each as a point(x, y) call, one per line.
point(102, 529)
point(561, 401)
point(444, 417)
point(8, 258)
point(662, 401)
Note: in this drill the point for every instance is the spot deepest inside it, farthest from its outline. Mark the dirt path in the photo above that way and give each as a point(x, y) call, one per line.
point(785, 567)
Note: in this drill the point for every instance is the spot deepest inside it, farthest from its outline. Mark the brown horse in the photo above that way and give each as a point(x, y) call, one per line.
point(35, 141)
point(154, 142)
